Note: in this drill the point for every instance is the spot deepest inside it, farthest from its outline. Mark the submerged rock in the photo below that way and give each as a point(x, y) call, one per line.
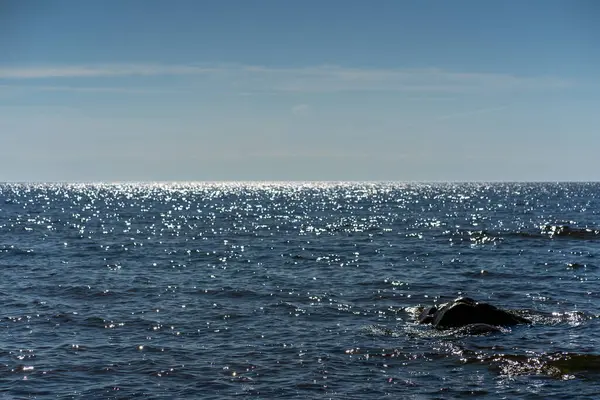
point(465, 311)
point(567, 231)
point(478, 329)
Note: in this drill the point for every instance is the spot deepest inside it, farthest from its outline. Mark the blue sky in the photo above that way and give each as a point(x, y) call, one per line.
point(308, 90)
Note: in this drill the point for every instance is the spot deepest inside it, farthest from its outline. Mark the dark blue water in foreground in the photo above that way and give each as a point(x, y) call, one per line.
point(298, 291)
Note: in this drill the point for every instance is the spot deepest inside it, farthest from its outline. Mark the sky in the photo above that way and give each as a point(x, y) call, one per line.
point(212, 90)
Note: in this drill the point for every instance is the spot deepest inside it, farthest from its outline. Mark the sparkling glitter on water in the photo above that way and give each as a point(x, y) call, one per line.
point(295, 290)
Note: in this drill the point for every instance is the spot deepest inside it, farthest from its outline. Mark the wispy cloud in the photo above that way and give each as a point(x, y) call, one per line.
point(317, 79)
point(333, 79)
point(98, 71)
point(300, 109)
point(86, 89)
point(321, 153)
point(471, 113)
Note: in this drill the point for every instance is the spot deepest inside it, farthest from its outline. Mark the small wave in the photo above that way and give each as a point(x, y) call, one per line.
point(426, 332)
point(378, 330)
point(555, 318)
point(232, 293)
point(15, 250)
point(555, 365)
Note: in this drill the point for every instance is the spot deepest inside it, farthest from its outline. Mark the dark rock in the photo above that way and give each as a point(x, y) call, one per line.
point(465, 311)
point(426, 317)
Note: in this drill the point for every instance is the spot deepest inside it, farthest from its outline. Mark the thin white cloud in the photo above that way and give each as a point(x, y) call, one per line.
point(317, 79)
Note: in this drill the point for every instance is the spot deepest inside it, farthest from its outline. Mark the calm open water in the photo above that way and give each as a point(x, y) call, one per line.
point(290, 290)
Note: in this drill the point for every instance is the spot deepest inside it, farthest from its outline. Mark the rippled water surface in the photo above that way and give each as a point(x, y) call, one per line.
point(276, 290)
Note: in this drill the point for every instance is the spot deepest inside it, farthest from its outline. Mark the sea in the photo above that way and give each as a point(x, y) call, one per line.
point(296, 290)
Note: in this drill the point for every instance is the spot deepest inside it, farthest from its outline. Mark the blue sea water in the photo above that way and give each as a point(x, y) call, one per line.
point(295, 290)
